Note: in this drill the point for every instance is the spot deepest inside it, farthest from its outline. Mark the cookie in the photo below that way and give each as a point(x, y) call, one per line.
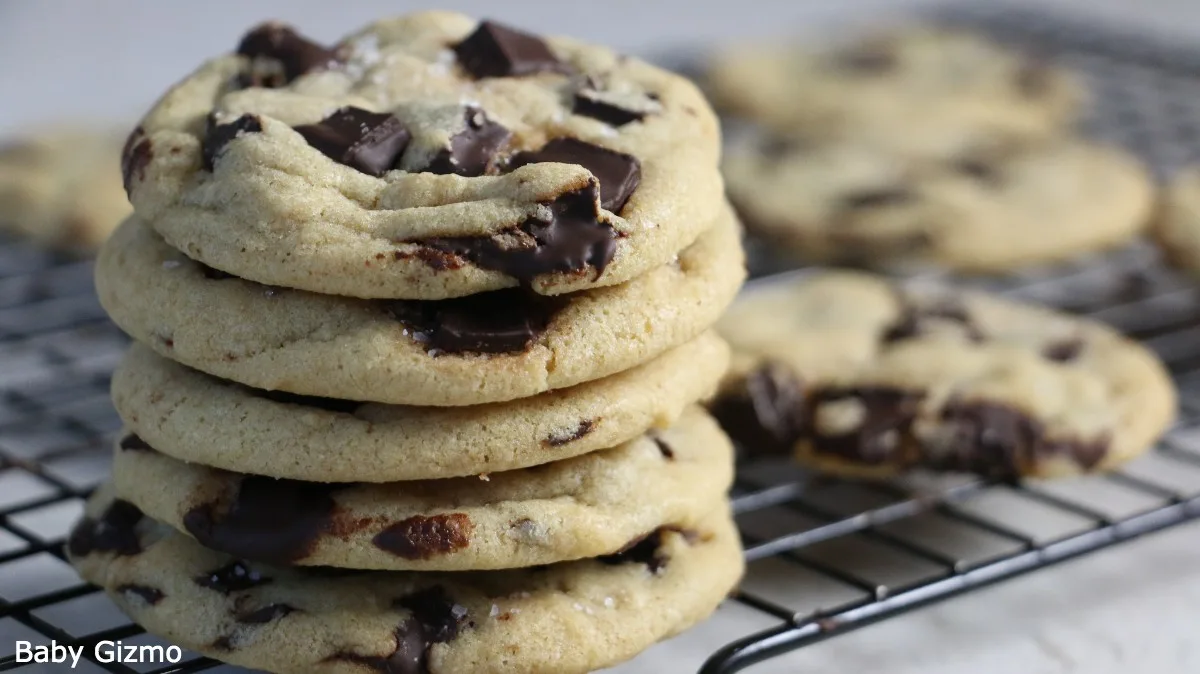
point(566, 618)
point(971, 202)
point(426, 157)
point(303, 438)
point(865, 377)
point(897, 82)
point(1176, 227)
point(490, 347)
point(587, 506)
point(61, 187)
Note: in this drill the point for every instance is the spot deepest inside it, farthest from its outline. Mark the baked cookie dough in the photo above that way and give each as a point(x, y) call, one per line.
point(426, 157)
point(1177, 224)
point(566, 618)
point(865, 377)
point(484, 348)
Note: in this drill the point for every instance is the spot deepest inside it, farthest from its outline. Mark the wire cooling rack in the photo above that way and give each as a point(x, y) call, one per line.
point(825, 556)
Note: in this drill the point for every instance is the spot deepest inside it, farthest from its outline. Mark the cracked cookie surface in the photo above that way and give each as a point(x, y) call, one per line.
point(426, 157)
point(866, 377)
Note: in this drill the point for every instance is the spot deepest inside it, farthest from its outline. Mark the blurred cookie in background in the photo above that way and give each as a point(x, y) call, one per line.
point(1177, 225)
point(61, 186)
point(895, 82)
point(965, 201)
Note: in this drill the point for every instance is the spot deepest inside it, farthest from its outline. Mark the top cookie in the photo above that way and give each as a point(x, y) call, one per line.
point(1177, 226)
point(426, 157)
point(906, 78)
point(62, 187)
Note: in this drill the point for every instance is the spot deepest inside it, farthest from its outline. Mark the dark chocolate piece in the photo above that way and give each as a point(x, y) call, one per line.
point(279, 55)
point(873, 58)
point(618, 173)
point(915, 321)
point(115, 531)
point(888, 416)
point(408, 656)
point(589, 104)
point(978, 169)
point(266, 614)
point(647, 549)
point(133, 443)
point(766, 414)
point(581, 429)
point(135, 157)
point(368, 141)
point(217, 136)
point(876, 198)
point(501, 321)
point(495, 50)
point(435, 619)
point(233, 577)
point(421, 537)
point(1063, 351)
point(327, 404)
point(473, 150)
point(571, 240)
point(664, 448)
point(150, 595)
point(270, 520)
point(988, 438)
point(440, 617)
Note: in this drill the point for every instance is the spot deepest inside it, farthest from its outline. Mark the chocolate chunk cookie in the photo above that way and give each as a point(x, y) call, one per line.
point(489, 347)
point(566, 618)
point(1177, 223)
point(61, 187)
point(307, 438)
point(426, 157)
point(967, 201)
point(861, 376)
point(587, 506)
point(902, 82)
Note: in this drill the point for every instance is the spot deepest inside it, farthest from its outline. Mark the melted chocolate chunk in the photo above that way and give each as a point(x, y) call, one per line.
point(877, 198)
point(327, 404)
point(647, 549)
point(581, 429)
point(664, 448)
point(421, 537)
point(619, 174)
point(233, 577)
point(370, 142)
point(915, 321)
point(888, 415)
point(473, 150)
point(494, 50)
point(135, 157)
point(408, 657)
point(150, 595)
point(115, 531)
point(571, 240)
point(214, 274)
point(987, 438)
point(218, 136)
point(133, 443)
point(766, 413)
point(1063, 351)
point(266, 614)
point(501, 321)
point(435, 619)
point(270, 520)
point(440, 617)
point(589, 104)
point(279, 55)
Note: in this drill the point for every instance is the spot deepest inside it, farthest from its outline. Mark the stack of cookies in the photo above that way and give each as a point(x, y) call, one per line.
point(435, 299)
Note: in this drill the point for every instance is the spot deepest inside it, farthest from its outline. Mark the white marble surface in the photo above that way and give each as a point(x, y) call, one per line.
point(1134, 608)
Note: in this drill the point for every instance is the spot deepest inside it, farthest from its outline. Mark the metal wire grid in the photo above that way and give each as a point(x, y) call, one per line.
point(826, 556)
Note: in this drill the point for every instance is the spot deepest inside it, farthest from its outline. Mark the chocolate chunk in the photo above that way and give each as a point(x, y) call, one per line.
point(280, 55)
point(618, 173)
point(765, 414)
point(368, 141)
point(217, 136)
point(214, 274)
point(873, 58)
point(440, 617)
point(647, 550)
point(224, 643)
point(986, 438)
point(266, 614)
point(501, 321)
point(435, 619)
point(115, 531)
point(327, 404)
point(1063, 351)
point(915, 321)
point(408, 656)
point(571, 240)
point(877, 198)
point(133, 443)
point(270, 520)
point(494, 50)
point(581, 429)
point(879, 437)
point(421, 537)
point(978, 169)
point(135, 157)
point(233, 577)
point(473, 150)
point(589, 104)
point(150, 595)
point(664, 448)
